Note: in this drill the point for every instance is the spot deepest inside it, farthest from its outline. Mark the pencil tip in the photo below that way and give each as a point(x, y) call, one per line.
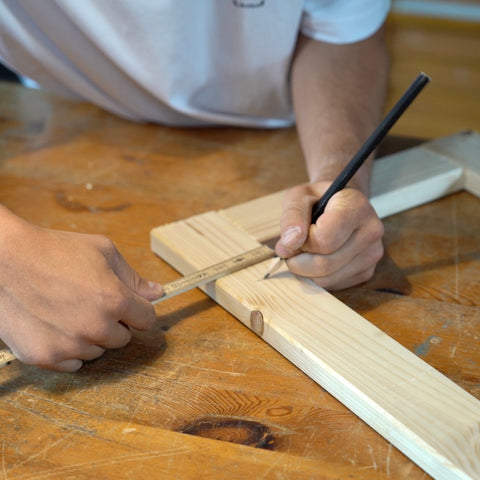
point(274, 266)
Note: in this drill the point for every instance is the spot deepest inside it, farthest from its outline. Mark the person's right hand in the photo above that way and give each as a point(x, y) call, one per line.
point(344, 246)
point(66, 297)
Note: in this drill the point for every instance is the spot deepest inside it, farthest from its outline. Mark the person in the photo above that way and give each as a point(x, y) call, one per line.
point(321, 64)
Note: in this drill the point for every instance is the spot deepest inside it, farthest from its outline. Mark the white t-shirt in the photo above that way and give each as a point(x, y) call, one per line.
point(177, 62)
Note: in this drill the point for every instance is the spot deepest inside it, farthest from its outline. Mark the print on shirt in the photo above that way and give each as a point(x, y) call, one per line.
point(248, 4)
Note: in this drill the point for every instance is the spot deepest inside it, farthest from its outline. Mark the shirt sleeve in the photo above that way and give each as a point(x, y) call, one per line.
point(343, 21)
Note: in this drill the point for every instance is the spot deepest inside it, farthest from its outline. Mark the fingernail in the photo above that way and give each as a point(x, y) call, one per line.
point(156, 287)
point(291, 237)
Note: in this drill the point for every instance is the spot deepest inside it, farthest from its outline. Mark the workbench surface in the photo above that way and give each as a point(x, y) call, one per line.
point(201, 396)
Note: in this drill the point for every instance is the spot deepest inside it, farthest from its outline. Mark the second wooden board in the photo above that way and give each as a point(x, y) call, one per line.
point(420, 411)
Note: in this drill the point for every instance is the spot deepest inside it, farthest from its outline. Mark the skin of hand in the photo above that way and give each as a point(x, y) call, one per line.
point(338, 94)
point(66, 297)
point(342, 248)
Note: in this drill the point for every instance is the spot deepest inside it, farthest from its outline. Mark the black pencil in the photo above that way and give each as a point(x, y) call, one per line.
point(367, 148)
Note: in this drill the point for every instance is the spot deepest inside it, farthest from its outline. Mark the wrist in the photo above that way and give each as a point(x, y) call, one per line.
point(326, 171)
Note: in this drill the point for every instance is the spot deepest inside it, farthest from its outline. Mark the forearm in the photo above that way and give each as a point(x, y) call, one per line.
point(338, 94)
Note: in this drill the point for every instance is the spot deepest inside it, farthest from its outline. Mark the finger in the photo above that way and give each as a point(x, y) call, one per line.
point(88, 353)
point(333, 284)
point(345, 213)
point(326, 272)
point(92, 352)
point(74, 357)
point(146, 289)
point(114, 334)
point(60, 353)
point(314, 264)
point(136, 312)
point(71, 365)
point(342, 262)
point(294, 222)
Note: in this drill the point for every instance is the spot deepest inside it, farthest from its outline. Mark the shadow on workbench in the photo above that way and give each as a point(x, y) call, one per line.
point(144, 349)
point(167, 320)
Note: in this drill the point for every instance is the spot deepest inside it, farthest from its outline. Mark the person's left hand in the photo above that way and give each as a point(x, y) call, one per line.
point(342, 248)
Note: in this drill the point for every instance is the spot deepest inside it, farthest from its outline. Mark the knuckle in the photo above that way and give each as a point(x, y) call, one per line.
point(40, 357)
point(328, 242)
point(326, 246)
point(126, 338)
point(376, 253)
point(366, 275)
point(106, 245)
point(296, 200)
point(103, 241)
point(379, 252)
point(323, 265)
point(114, 302)
point(293, 194)
point(370, 256)
point(378, 230)
point(149, 320)
point(361, 201)
point(99, 333)
point(373, 241)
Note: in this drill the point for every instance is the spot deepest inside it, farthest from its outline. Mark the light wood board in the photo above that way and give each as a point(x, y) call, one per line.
point(424, 414)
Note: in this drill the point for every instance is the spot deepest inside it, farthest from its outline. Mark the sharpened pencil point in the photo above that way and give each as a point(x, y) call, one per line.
point(273, 267)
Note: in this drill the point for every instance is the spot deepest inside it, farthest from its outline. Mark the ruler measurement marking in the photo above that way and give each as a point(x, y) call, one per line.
point(216, 271)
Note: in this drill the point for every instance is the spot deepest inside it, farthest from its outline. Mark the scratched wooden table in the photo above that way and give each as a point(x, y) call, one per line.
point(201, 396)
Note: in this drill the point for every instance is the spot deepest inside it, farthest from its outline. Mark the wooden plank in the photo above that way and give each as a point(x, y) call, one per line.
point(420, 411)
point(400, 181)
point(411, 178)
point(462, 149)
point(390, 388)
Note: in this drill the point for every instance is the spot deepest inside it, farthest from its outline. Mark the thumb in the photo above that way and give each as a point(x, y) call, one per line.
point(294, 223)
point(145, 288)
point(291, 241)
point(135, 282)
point(148, 289)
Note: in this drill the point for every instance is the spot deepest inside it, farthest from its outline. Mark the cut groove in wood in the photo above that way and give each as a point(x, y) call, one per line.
point(420, 411)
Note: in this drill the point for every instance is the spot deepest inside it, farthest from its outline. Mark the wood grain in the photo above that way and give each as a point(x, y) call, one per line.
point(390, 388)
point(69, 165)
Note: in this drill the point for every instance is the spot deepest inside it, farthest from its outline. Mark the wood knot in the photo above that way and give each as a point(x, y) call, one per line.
point(231, 429)
point(256, 322)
